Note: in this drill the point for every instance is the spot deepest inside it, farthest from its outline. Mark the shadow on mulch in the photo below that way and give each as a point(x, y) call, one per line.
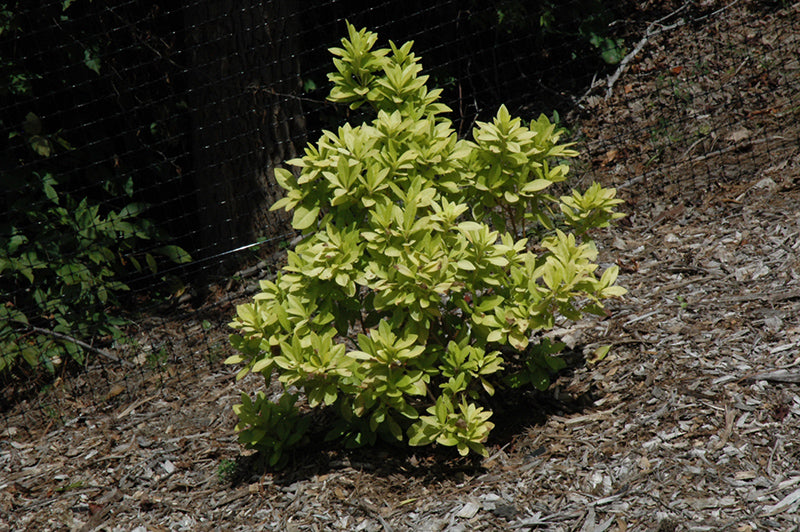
point(515, 412)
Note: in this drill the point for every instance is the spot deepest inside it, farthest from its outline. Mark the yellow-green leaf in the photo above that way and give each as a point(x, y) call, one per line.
point(235, 359)
point(304, 218)
point(261, 365)
point(536, 185)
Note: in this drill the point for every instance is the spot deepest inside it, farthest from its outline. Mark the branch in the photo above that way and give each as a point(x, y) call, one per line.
point(655, 28)
point(649, 33)
point(71, 339)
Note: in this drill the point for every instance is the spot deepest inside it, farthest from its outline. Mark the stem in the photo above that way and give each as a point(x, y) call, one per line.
point(511, 218)
point(71, 339)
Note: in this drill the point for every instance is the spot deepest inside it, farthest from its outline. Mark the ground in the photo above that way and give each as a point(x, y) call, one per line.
point(692, 422)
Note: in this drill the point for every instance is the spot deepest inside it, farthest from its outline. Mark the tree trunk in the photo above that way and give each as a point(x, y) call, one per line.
point(243, 81)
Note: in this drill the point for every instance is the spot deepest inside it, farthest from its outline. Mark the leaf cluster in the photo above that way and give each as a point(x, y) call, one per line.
point(415, 293)
point(584, 22)
point(61, 265)
point(71, 233)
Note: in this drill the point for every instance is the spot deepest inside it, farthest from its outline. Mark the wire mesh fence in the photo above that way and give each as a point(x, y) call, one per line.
point(140, 140)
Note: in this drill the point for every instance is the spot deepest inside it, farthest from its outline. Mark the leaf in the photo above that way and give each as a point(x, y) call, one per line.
point(132, 210)
point(495, 335)
point(13, 244)
point(234, 359)
point(151, 262)
point(41, 145)
point(31, 356)
point(599, 354)
point(487, 386)
point(614, 291)
point(536, 185)
point(27, 273)
point(259, 366)
point(51, 193)
point(91, 60)
point(309, 85)
point(174, 253)
point(555, 363)
point(422, 432)
point(304, 217)
point(470, 226)
point(466, 265)
point(32, 124)
point(540, 380)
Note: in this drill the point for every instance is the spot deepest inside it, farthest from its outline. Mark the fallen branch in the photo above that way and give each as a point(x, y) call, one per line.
point(654, 29)
point(649, 34)
point(73, 340)
point(737, 146)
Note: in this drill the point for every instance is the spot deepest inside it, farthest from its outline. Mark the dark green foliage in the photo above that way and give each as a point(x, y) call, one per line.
point(60, 269)
point(72, 232)
point(582, 21)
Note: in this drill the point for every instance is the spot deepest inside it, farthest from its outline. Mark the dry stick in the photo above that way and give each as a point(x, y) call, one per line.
point(737, 146)
point(627, 59)
point(96, 350)
point(700, 158)
point(648, 34)
point(773, 297)
point(780, 375)
point(595, 83)
point(718, 11)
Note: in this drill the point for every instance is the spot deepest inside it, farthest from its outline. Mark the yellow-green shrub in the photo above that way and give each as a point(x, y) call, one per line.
point(415, 293)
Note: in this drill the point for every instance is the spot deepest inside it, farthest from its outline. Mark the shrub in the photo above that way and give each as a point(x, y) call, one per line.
point(62, 265)
point(71, 232)
point(416, 292)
